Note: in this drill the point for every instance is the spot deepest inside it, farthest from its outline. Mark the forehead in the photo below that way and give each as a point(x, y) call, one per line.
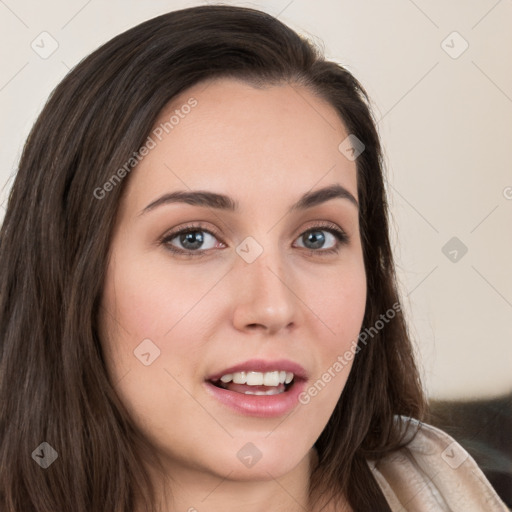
point(226, 135)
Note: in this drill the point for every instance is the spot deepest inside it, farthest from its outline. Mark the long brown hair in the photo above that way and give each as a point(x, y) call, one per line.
point(54, 244)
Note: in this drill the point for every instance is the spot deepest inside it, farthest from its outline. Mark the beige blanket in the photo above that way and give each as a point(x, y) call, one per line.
point(433, 474)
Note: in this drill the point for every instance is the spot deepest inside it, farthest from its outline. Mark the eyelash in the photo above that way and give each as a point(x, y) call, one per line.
point(340, 235)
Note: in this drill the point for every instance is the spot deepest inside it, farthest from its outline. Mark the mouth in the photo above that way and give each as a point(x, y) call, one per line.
point(259, 388)
point(256, 383)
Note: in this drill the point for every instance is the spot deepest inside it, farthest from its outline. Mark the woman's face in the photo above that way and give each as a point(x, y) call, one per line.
point(264, 287)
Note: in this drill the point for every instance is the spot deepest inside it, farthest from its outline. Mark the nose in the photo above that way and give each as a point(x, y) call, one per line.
point(265, 297)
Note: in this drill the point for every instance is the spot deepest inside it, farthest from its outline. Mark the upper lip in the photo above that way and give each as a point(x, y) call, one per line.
point(261, 365)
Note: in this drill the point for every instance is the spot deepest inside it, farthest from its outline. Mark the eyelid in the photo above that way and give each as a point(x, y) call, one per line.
point(198, 226)
point(324, 224)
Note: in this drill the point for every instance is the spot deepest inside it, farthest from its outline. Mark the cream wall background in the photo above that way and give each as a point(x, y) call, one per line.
point(445, 117)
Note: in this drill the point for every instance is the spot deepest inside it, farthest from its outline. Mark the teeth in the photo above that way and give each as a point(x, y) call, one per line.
point(255, 378)
point(269, 392)
point(239, 378)
point(271, 379)
point(259, 379)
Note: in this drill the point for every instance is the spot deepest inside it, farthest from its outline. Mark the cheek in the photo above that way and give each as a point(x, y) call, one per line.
point(149, 298)
point(343, 307)
point(141, 310)
point(339, 301)
point(149, 307)
point(339, 304)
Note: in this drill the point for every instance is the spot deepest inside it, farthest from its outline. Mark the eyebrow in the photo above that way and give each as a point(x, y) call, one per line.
point(223, 202)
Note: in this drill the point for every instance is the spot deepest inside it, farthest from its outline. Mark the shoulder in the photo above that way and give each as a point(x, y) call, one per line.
point(433, 473)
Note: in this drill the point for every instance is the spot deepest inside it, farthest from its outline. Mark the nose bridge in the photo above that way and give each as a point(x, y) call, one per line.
point(265, 294)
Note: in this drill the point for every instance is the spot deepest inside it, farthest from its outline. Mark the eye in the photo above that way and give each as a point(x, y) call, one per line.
point(319, 236)
point(190, 240)
point(195, 240)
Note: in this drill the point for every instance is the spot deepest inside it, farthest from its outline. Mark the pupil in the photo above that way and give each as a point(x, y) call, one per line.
point(188, 238)
point(317, 239)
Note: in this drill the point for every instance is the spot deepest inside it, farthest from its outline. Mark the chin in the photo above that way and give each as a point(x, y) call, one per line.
point(259, 459)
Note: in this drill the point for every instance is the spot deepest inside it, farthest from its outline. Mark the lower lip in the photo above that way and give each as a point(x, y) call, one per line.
point(263, 406)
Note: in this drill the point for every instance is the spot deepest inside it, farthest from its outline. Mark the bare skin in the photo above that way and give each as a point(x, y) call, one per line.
point(264, 148)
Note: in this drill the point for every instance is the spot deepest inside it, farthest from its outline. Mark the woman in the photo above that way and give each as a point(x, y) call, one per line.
point(198, 299)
